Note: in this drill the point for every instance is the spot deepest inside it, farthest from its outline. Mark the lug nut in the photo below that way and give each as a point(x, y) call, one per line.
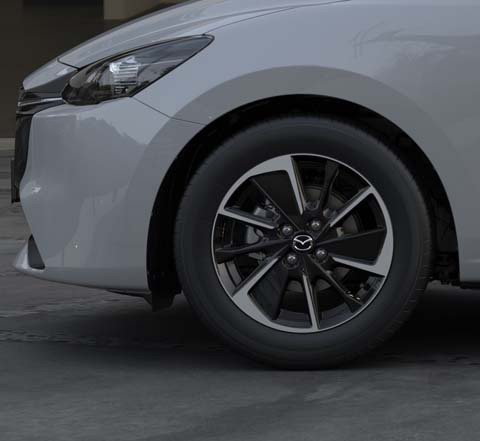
point(292, 259)
point(315, 225)
point(287, 230)
point(321, 254)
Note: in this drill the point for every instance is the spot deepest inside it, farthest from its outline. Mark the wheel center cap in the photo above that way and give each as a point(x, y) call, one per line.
point(303, 243)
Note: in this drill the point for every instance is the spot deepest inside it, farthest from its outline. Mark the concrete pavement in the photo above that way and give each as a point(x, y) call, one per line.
point(78, 364)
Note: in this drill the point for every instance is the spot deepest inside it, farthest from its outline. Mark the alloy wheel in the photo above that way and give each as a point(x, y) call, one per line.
point(302, 243)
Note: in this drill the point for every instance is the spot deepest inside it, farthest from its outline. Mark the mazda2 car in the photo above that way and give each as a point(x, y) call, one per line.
point(300, 169)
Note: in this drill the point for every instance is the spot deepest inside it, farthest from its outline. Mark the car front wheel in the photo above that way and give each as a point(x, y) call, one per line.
point(303, 242)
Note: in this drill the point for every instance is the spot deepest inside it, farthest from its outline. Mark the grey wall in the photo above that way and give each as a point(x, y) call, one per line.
point(35, 32)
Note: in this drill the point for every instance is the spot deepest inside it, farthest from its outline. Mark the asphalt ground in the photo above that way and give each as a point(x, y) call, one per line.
point(79, 364)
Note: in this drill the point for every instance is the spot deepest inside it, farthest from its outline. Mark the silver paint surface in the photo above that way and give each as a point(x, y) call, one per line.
point(92, 177)
point(193, 18)
point(46, 73)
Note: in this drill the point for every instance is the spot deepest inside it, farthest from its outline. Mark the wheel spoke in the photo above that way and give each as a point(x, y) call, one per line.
point(223, 255)
point(296, 181)
point(242, 298)
point(312, 302)
point(350, 206)
point(379, 267)
point(269, 292)
point(248, 218)
point(247, 285)
point(352, 302)
point(365, 246)
point(331, 173)
point(277, 198)
point(277, 188)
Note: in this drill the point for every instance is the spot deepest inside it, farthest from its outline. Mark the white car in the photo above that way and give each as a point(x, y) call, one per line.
point(301, 169)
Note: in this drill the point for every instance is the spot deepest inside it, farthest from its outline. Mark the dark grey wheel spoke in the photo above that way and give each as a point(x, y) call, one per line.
point(270, 290)
point(281, 179)
point(228, 253)
point(280, 199)
point(290, 166)
point(348, 208)
point(247, 218)
point(241, 296)
point(247, 285)
point(331, 173)
point(352, 302)
point(365, 246)
point(313, 310)
point(379, 266)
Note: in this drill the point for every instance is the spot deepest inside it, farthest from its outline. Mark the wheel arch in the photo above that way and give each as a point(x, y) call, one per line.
point(162, 276)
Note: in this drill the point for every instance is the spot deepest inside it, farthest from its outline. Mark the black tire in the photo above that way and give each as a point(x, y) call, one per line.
point(410, 269)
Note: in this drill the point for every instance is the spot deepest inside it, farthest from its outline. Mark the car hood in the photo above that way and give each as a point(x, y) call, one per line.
point(194, 17)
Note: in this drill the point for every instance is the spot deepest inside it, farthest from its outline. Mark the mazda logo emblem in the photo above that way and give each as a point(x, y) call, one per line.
point(303, 243)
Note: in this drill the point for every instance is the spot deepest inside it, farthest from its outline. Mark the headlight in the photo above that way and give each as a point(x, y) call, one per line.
point(128, 73)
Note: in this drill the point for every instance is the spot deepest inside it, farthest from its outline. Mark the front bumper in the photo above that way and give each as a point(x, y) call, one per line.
point(89, 187)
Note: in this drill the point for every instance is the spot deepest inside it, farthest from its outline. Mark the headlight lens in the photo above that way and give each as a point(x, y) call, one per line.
point(127, 74)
